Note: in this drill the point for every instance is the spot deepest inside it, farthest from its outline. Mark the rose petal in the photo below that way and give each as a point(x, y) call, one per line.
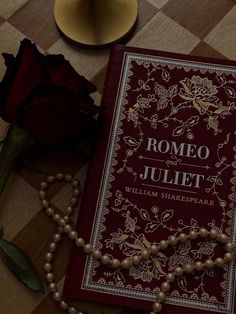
point(9, 60)
point(51, 115)
point(6, 81)
point(86, 104)
point(62, 73)
point(22, 76)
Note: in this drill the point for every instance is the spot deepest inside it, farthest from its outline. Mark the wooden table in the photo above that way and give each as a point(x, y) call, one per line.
point(197, 27)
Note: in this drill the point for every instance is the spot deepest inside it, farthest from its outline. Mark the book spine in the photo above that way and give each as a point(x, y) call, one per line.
point(107, 88)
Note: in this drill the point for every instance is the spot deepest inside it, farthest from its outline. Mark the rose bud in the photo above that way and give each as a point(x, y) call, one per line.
point(45, 100)
point(45, 96)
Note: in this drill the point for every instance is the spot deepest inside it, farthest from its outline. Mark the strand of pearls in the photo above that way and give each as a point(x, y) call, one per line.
point(64, 227)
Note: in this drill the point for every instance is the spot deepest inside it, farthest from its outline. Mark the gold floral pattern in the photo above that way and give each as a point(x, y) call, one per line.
point(200, 91)
point(155, 100)
point(221, 165)
point(202, 94)
point(132, 244)
point(150, 269)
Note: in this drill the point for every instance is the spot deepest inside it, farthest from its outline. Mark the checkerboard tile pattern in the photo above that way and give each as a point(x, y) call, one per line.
point(204, 49)
point(9, 39)
point(36, 21)
point(222, 36)
point(158, 4)
point(163, 33)
point(197, 27)
point(8, 8)
point(1, 20)
point(199, 17)
point(82, 59)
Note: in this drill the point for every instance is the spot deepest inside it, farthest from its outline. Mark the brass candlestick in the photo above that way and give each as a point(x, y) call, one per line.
point(95, 22)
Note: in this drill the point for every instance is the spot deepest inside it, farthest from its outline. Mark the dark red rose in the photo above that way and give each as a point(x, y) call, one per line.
point(45, 96)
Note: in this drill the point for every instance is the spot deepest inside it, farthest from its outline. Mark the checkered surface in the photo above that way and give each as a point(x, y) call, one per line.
point(197, 27)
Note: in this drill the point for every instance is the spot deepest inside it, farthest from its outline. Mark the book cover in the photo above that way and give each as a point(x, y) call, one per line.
point(164, 164)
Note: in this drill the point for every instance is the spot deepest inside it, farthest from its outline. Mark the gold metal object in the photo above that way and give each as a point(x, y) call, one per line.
point(95, 22)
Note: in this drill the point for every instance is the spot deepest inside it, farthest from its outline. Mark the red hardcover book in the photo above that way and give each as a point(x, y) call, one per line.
point(164, 164)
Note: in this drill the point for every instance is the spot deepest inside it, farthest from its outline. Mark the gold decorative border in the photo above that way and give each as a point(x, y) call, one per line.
point(88, 284)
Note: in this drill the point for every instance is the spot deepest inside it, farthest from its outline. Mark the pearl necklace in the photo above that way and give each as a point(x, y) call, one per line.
point(64, 226)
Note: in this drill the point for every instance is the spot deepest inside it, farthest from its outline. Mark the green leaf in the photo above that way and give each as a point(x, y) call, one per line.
point(14, 143)
point(2, 140)
point(32, 166)
point(20, 265)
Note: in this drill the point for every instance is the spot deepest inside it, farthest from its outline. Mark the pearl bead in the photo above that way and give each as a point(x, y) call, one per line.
point(66, 218)
point(209, 263)
point(52, 247)
point(115, 263)
point(49, 257)
point(64, 226)
point(69, 210)
point(57, 237)
point(56, 217)
point(105, 259)
point(67, 228)
point(45, 203)
point(68, 177)
point(188, 268)
point(50, 277)
point(219, 262)
point(136, 260)
point(170, 277)
point(57, 296)
point(199, 266)
point(161, 296)
point(88, 248)
point(59, 176)
point(193, 235)
point(97, 254)
point(229, 247)
point(49, 211)
point(51, 179)
point(75, 183)
point(213, 234)
point(42, 194)
point(63, 305)
point(157, 307)
point(73, 201)
point(183, 237)
point(165, 286)
point(126, 263)
point(228, 257)
point(62, 222)
point(60, 230)
point(172, 240)
point(52, 287)
point(163, 244)
point(79, 242)
point(48, 267)
point(76, 192)
point(43, 185)
point(178, 271)
point(203, 232)
point(223, 238)
point(72, 310)
point(154, 249)
point(72, 235)
point(145, 254)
